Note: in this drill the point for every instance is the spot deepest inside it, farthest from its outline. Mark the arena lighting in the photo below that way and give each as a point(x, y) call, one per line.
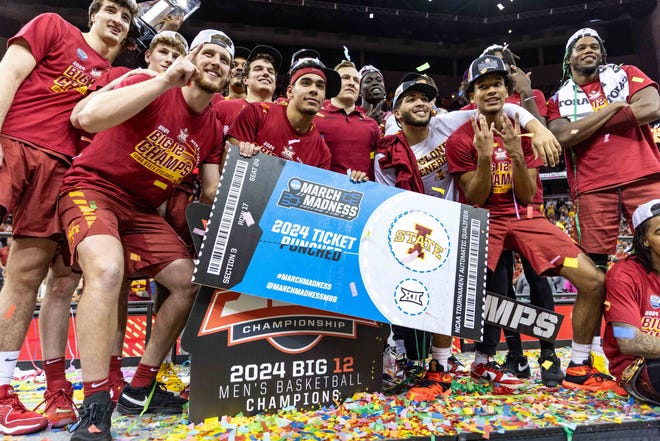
point(500, 6)
point(151, 16)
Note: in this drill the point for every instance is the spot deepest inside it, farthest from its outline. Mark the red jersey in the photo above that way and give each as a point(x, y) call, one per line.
point(267, 125)
point(462, 157)
point(351, 138)
point(515, 98)
point(143, 159)
point(66, 68)
point(610, 159)
point(634, 299)
point(227, 111)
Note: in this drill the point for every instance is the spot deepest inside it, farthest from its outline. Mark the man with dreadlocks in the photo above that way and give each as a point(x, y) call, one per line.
point(600, 115)
point(632, 333)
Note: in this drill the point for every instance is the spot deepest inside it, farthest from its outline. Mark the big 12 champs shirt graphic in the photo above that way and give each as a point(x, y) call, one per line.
point(170, 158)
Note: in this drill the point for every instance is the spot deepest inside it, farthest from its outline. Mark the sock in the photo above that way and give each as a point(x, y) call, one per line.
point(441, 355)
point(115, 368)
point(54, 370)
point(144, 375)
point(8, 360)
point(400, 346)
point(596, 346)
point(92, 387)
point(480, 357)
point(581, 352)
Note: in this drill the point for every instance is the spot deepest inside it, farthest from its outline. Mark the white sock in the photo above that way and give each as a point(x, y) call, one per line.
point(596, 346)
point(8, 360)
point(400, 346)
point(581, 352)
point(441, 355)
point(480, 358)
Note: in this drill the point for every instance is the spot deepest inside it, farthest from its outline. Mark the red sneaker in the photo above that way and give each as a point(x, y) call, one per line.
point(15, 419)
point(586, 377)
point(434, 383)
point(494, 373)
point(60, 409)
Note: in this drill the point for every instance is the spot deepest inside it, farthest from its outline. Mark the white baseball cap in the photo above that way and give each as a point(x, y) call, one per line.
point(645, 212)
point(215, 37)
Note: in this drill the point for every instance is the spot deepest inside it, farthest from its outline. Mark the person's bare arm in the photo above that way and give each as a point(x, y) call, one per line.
point(15, 66)
point(645, 105)
point(571, 133)
point(640, 345)
point(209, 175)
point(116, 106)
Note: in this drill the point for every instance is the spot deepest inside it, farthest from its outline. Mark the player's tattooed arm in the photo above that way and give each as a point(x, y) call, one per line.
point(637, 343)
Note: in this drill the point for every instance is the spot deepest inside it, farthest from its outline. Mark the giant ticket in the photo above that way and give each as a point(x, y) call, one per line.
point(299, 234)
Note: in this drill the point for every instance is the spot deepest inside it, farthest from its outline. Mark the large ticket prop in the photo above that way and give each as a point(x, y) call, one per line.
point(298, 234)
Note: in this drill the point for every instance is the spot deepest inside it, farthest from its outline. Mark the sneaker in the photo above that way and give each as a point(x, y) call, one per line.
point(434, 383)
point(60, 409)
point(455, 366)
point(168, 376)
point(550, 365)
point(116, 386)
point(585, 376)
point(95, 418)
point(149, 399)
point(517, 365)
point(15, 419)
point(599, 362)
point(493, 373)
point(394, 365)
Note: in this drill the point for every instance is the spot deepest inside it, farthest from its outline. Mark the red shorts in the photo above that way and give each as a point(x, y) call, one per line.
point(599, 212)
point(149, 242)
point(536, 239)
point(30, 180)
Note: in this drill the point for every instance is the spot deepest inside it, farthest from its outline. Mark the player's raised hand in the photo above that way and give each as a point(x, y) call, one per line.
point(483, 136)
point(510, 134)
point(183, 70)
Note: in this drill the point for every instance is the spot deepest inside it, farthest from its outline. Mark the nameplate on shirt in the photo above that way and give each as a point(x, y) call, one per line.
point(293, 233)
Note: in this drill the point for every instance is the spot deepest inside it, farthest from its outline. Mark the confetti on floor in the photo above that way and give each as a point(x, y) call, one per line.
point(472, 407)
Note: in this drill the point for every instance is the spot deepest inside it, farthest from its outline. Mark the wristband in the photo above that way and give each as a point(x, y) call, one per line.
point(528, 98)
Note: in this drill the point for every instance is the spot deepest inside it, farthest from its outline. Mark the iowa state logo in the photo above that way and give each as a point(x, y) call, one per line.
point(289, 328)
point(419, 241)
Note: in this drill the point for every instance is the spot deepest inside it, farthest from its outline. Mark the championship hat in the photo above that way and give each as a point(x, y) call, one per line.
point(584, 32)
point(645, 212)
point(429, 91)
point(215, 37)
point(264, 49)
point(485, 65)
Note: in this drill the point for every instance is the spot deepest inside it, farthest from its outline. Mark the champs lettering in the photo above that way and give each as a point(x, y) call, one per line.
point(165, 156)
point(74, 77)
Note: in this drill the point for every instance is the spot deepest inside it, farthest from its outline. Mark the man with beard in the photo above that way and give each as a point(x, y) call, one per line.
point(236, 87)
point(372, 89)
point(152, 132)
point(349, 133)
point(414, 159)
point(259, 78)
point(49, 66)
point(601, 116)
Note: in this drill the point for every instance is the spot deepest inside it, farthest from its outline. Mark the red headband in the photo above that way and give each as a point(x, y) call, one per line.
point(307, 70)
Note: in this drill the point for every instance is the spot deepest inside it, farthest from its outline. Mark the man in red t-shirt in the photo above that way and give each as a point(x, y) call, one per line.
point(49, 66)
point(286, 130)
point(61, 282)
point(152, 133)
point(494, 168)
point(601, 115)
point(632, 331)
point(350, 134)
point(260, 79)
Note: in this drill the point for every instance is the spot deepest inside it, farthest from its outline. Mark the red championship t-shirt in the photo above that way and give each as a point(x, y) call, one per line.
point(634, 299)
point(143, 159)
point(227, 110)
point(66, 68)
point(462, 157)
point(633, 150)
point(351, 138)
point(267, 125)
